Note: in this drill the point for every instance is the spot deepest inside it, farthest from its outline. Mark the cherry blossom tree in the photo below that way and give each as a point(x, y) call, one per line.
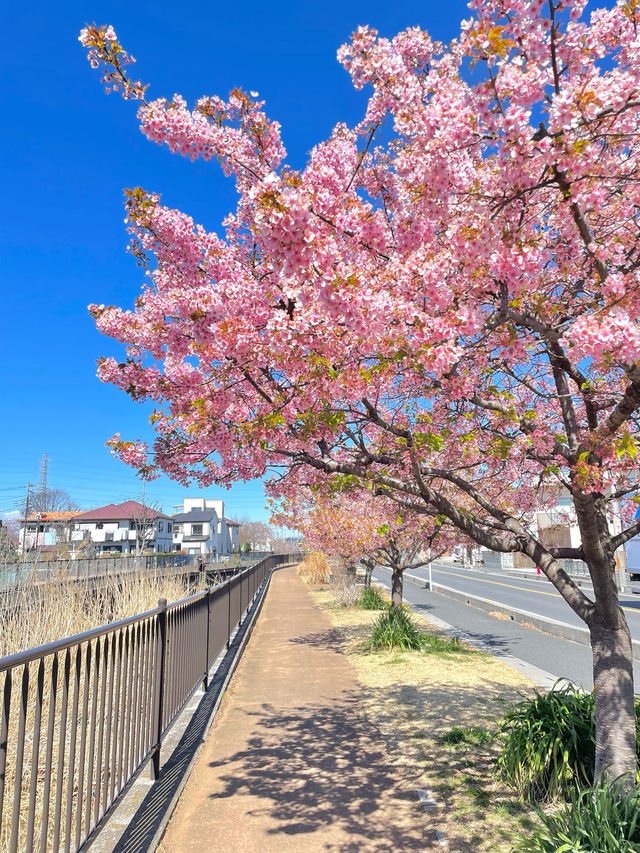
point(440, 305)
point(356, 526)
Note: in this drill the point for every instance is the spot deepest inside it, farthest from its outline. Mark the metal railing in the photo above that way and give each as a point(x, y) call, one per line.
point(80, 718)
point(41, 571)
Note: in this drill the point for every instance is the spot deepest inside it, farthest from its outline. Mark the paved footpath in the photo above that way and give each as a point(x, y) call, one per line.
point(290, 763)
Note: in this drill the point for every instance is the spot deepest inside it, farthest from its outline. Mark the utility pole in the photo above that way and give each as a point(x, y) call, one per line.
point(24, 529)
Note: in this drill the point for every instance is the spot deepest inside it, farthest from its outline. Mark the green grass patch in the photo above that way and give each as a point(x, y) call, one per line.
point(437, 644)
point(370, 599)
point(467, 736)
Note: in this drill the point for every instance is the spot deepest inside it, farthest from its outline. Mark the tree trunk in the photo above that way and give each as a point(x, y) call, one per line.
point(396, 587)
point(368, 571)
point(615, 713)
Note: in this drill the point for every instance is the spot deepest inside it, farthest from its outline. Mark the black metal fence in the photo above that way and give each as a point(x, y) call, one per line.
point(24, 574)
point(80, 718)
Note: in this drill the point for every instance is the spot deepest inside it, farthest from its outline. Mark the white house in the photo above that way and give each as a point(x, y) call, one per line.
point(125, 528)
point(47, 531)
point(200, 528)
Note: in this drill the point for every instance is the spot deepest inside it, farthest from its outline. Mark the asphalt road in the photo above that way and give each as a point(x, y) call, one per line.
point(560, 658)
point(534, 596)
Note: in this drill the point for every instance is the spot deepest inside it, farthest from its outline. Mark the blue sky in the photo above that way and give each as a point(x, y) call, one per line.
point(69, 150)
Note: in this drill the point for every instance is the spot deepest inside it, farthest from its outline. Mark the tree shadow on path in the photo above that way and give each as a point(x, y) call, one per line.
point(318, 766)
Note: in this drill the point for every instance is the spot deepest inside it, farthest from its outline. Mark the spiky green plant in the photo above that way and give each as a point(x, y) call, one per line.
point(395, 629)
point(370, 599)
point(549, 744)
point(597, 819)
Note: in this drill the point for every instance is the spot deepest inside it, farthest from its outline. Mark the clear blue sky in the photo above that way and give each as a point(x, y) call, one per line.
point(69, 150)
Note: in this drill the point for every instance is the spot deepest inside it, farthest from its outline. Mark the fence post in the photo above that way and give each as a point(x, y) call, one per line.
point(205, 680)
point(228, 613)
point(160, 662)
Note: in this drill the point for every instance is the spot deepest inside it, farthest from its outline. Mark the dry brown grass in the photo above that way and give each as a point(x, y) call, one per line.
point(315, 569)
point(413, 699)
point(57, 609)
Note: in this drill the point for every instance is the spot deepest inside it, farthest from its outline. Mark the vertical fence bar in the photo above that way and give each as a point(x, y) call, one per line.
point(83, 741)
point(207, 662)
point(72, 749)
point(35, 757)
point(62, 740)
point(107, 785)
point(4, 734)
point(53, 698)
point(17, 791)
point(117, 660)
point(137, 698)
point(161, 651)
point(129, 700)
point(101, 768)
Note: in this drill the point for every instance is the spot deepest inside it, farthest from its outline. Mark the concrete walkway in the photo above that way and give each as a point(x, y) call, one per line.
point(290, 763)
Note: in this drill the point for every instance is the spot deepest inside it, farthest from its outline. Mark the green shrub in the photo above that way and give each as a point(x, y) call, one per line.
point(549, 743)
point(370, 599)
point(396, 629)
point(549, 746)
point(596, 820)
point(467, 735)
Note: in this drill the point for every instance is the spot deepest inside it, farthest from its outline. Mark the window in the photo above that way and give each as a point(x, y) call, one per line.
point(177, 528)
point(169, 526)
point(196, 530)
point(99, 525)
point(108, 537)
point(160, 526)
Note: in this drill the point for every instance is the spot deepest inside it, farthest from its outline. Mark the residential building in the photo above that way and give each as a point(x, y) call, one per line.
point(47, 531)
point(556, 526)
point(125, 528)
point(201, 529)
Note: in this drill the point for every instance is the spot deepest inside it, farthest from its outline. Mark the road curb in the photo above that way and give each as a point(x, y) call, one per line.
point(550, 626)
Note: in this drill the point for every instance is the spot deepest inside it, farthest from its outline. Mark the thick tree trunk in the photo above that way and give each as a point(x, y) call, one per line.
point(615, 714)
point(396, 587)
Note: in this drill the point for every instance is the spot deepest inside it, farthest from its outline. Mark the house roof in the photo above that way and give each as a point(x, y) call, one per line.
point(54, 516)
point(232, 523)
point(195, 515)
point(128, 509)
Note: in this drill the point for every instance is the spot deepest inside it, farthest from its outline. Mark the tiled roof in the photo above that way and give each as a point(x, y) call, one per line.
point(128, 509)
point(54, 516)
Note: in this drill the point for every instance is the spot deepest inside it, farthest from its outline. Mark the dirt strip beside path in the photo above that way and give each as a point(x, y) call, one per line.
point(290, 763)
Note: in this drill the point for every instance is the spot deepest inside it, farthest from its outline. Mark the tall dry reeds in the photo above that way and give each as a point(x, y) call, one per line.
point(35, 615)
point(315, 569)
